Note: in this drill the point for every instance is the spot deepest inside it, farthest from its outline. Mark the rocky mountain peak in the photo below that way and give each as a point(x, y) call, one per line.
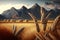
point(35, 6)
point(23, 7)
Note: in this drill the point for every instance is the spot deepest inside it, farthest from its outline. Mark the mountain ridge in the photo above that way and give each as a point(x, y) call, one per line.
point(22, 13)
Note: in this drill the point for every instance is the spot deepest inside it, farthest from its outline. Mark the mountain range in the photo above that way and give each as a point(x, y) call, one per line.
point(22, 13)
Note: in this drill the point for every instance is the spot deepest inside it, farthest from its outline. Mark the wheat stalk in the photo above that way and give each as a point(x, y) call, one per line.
point(19, 31)
point(44, 17)
point(16, 33)
point(35, 21)
point(50, 36)
point(14, 29)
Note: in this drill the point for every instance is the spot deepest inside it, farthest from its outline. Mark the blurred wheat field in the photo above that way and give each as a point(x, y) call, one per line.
point(29, 25)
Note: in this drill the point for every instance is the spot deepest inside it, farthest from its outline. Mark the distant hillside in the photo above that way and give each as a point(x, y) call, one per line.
point(2, 17)
point(22, 13)
point(35, 10)
point(10, 13)
point(54, 13)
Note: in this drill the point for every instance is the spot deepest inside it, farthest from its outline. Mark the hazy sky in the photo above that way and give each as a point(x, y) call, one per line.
point(7, 4)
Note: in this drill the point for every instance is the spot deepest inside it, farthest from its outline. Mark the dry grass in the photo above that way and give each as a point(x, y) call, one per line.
point(29, 31)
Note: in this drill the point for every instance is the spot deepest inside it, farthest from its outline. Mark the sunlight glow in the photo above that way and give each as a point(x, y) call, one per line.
point(4, 7)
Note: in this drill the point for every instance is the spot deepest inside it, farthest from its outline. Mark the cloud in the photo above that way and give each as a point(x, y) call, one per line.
point(29, 2)
point(53, 4)
point(56, 1)
point(19, 1)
